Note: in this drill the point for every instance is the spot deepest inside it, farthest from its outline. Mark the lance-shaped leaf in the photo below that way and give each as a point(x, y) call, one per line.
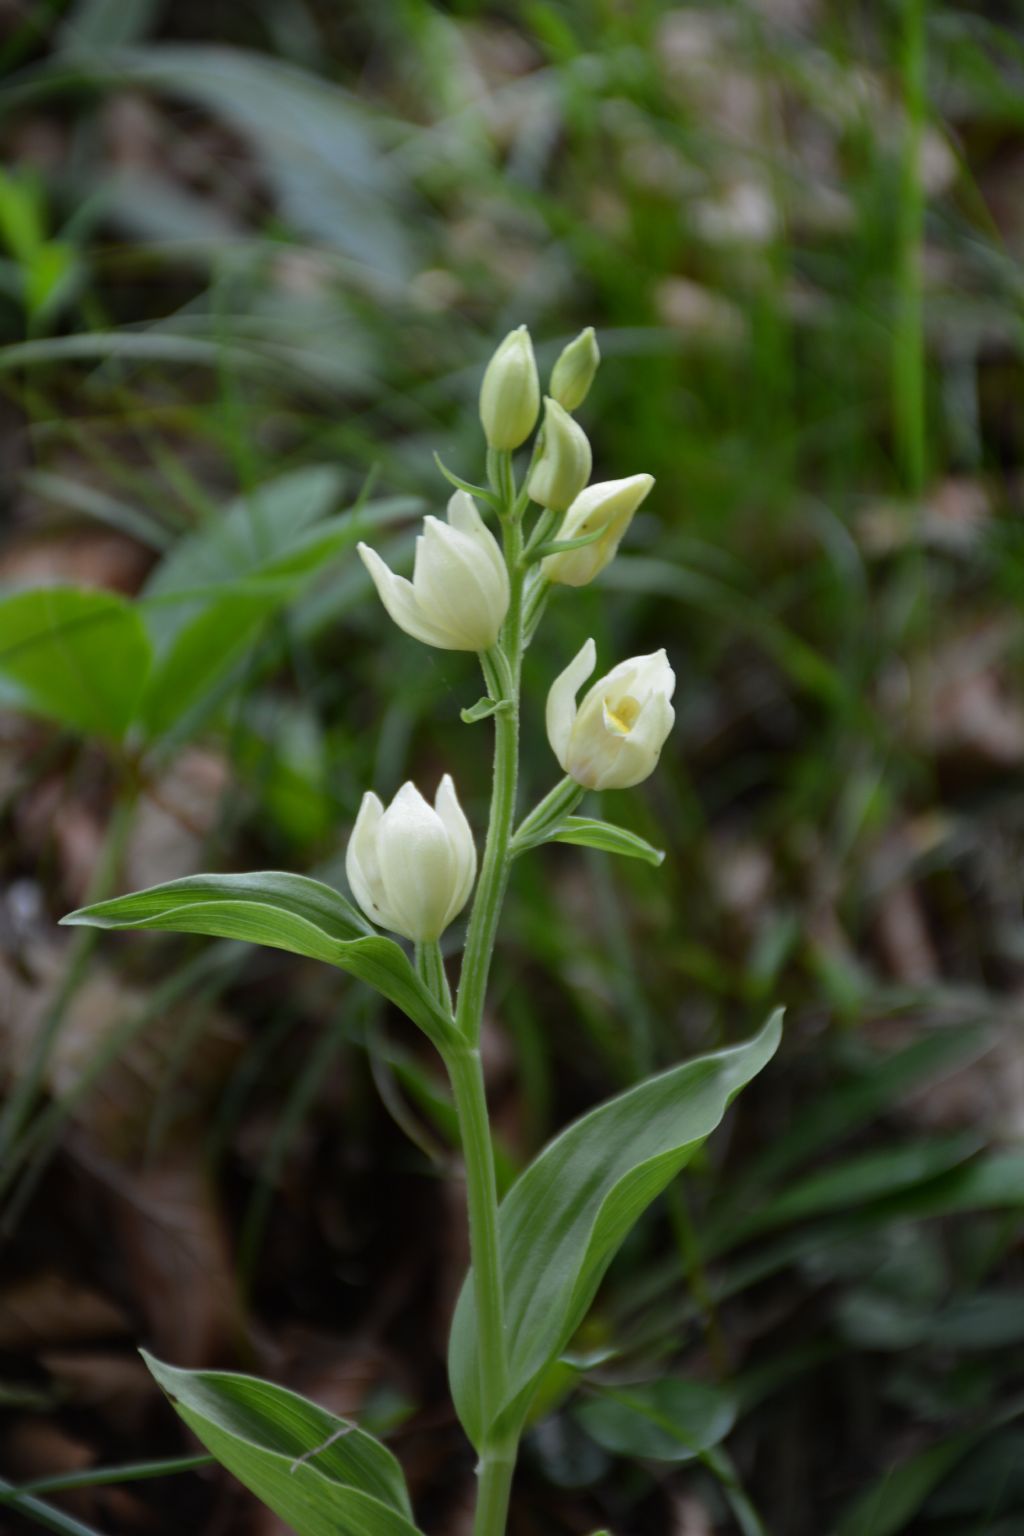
point(322, 1474)
point(282, 911)
point(75, 656)
point(586, 832)
point(568, 1213)
point(664, 1420)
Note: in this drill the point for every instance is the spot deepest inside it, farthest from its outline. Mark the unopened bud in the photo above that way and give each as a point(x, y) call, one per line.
point(605, 509)
point(573, 374)
point(510, 392)
point(563, 468)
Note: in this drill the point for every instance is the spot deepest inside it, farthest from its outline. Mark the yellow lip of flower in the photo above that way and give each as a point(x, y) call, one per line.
point(613, 738)
point(623, 717)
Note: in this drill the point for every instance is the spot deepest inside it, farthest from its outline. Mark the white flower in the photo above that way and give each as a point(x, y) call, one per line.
point(563, 468)
point(614, 739)
point(573, 374)
point(607, 506)
point(411, 868)
point(510, 392)
point(459, 593)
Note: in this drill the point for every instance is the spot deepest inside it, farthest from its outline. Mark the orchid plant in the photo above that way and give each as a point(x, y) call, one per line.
point(480, 583)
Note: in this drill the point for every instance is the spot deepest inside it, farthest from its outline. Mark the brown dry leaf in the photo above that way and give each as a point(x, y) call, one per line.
point(87, 558)
point(111, 1385)
point(38, 1447)
point(51, 1308)
point(903, 937)
point(952, 519)
point(55, 826)
point(175, 817)
point(698, 313)
point(171, 1236)
point(689, 1516)
point(953, 699)
point(116, 1111)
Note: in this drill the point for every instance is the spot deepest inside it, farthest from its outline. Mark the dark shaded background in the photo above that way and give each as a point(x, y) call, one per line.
point(274, 244)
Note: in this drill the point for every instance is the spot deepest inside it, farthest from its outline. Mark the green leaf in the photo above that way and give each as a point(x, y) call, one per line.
point(562, 546)
point(74, 655)
point(851, 1183)
point(50, 278)
point(205, 630)
point(479, 492)
point(322, 1474)
point(568, 1213)
point(318, 145)
point(282, 911)
point(207, 601)
point(483, 709)
point(663, 1420)
point(249, 531)
point(40, 1513)
point(586, 832)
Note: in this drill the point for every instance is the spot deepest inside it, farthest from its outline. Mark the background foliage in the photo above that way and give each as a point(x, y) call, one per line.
point(252, 261)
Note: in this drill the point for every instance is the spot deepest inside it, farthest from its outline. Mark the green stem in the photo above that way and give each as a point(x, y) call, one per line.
point(467, 1079)
point(501, 669)
point(495, 1473)
point(431, 971)
point(547, 814)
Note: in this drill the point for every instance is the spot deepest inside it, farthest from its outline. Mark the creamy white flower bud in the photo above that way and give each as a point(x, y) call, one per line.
point(614, 739)
point(573, 374)
point(607, 507)
point(459, 593)
point(563, 468)
point(510, 392)
point(412, 866)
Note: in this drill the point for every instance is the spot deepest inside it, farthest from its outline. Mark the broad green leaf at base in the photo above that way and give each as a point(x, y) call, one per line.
point(322, 1474)
point(569, 1212)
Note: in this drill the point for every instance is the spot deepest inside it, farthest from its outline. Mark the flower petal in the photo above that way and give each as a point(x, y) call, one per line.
point(460, 837)
point(398, 597)
point(560, 714)
point(361, 863)
point(417, 865)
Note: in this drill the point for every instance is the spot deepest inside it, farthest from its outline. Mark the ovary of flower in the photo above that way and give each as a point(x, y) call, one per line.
point(459, 593)
point(614, 738)
point(607, 509)
point(412, 866)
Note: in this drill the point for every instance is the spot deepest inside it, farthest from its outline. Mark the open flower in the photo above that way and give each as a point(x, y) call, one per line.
point(411, 867)
point(459, 593)
point(607, 509)
point(614, 739)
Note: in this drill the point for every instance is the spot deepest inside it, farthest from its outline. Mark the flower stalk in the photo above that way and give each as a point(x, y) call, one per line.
point(466, 594)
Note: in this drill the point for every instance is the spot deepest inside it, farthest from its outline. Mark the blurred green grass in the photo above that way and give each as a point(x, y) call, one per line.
point(244, 242)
